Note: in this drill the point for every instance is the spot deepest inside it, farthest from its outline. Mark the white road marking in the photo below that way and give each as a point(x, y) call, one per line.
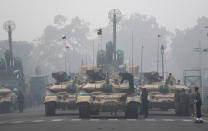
point(131, 119)
point(186, 120)
point(205, 120)
point(16, 122)
point(3, 122)
point(168, 120)
point(149, 119)
point(38, 121)
point(94, 119)
point(75, 119)
point(112, 119)
point(57, 120)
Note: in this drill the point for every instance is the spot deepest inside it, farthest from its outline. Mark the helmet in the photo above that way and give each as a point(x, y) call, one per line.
point(15, 90)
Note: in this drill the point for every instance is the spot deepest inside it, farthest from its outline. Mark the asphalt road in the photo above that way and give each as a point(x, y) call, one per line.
point(35, 120)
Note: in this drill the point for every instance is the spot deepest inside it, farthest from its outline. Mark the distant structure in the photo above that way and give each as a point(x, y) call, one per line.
point(10, 26)
point(114, 16)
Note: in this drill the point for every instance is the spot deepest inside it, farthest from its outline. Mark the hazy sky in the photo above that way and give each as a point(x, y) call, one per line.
point(32, 16)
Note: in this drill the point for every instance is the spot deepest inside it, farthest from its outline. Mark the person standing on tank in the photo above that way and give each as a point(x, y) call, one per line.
point(130, 78)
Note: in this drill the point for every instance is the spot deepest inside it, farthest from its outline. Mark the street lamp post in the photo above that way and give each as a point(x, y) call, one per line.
point(65, 63)
point(132, 51)
point(100, 33)
point(158, 48)
point(93, 54)
point(200, 50)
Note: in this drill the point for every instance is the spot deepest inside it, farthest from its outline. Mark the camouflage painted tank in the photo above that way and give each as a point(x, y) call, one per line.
point(107, 96)
point(162, 94)
point(61, 95)
point(8, 100)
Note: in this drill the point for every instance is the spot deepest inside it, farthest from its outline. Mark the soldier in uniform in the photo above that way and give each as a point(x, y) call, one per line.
point(198, 102)
point(20, 100)
point(144, 102)
point(170, 80)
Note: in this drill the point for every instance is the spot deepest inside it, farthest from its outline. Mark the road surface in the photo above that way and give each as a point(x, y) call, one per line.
point(35, 120)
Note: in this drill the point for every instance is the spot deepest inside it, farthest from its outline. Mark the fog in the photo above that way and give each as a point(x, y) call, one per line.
point(38, 37)
point(48, 51)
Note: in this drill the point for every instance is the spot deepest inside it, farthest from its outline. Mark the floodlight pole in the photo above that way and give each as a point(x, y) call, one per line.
point(11, 49)
point(114, 36)
point(114, 16)
point(9, 26)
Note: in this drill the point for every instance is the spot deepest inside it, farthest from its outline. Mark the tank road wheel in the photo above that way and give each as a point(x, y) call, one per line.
point(50, 108)
point(132, 111)
point(176, 108)
point(84, 111)
point(5, 107)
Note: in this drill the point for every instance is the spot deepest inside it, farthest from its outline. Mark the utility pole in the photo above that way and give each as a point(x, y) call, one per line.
point(132, 50)
point(142, 56)
point(158, 49)
point(162, 53)
point(86, 57)
point(100, 33)
point(64, 41)
point(10, 26)
point(93, 54)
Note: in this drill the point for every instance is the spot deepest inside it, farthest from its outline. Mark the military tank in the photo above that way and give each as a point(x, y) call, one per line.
point(102, 94)
point(61, 95)
point(8, 100)
point(162, 94)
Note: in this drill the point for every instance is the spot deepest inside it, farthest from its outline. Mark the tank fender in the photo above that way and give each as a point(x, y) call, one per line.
point(83, 98)
point(130, 99)
point(50, 99)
